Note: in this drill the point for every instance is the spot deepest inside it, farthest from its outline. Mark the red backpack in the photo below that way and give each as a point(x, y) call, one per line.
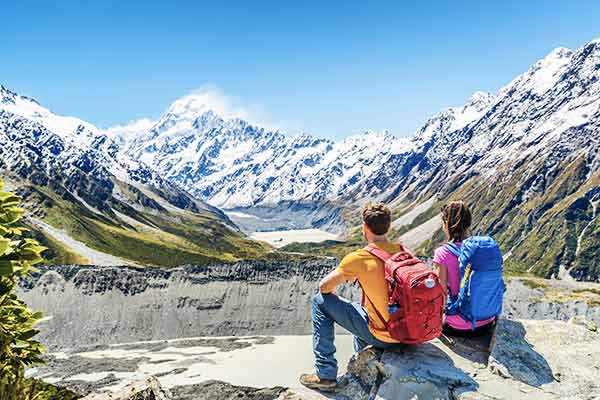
point(416, 292)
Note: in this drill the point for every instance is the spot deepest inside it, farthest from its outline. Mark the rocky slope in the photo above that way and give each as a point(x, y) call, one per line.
point(89, 204)
point(102, 305)
point(106, 326)
point(524, 359)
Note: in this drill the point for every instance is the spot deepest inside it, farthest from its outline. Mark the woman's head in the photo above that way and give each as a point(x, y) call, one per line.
point(456, 218)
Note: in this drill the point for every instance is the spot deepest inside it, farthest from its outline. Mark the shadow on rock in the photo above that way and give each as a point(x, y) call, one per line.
point(512, 356)
point(474, 349)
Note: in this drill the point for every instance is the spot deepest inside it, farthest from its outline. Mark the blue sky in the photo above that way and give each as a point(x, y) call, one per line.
point(327, 68)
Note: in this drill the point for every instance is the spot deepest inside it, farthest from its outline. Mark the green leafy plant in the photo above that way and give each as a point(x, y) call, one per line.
point(18, 348)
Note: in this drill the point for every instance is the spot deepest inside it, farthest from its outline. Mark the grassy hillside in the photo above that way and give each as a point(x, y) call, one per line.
point(146, 236)
point(541, 233)
point(543, 220)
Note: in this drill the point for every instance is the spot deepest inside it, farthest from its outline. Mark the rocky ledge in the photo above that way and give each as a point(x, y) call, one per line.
point(88, 305)
point(525, 359)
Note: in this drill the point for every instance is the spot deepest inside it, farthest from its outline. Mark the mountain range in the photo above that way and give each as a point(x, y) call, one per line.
point(89, 204)
point(526, 159)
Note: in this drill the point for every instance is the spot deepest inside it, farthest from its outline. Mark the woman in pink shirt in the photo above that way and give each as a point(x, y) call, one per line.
point(456, 219)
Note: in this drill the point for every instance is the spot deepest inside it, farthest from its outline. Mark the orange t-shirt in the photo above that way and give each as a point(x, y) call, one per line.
point(369, 271)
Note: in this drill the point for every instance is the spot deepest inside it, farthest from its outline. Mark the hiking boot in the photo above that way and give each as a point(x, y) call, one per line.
point(312, 381)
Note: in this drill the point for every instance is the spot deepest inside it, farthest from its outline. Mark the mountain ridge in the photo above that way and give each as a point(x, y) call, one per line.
point(526, 159)
point(89, 203)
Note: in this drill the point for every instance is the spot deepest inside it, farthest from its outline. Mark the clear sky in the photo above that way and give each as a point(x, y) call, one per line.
point(325, 67)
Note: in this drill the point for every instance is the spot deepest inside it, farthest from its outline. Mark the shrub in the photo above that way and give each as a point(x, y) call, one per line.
point(18, 348)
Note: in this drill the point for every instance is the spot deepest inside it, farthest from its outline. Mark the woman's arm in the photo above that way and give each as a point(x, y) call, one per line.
point(442, 274)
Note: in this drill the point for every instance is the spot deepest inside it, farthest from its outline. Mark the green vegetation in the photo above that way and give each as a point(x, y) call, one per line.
point(425, 216)
point(542, 231)
point(587, 290)
point(18, 348)
point(539, 225)
point(330, 248)
point(534, 283)
point(36, 389)
point(170, 238)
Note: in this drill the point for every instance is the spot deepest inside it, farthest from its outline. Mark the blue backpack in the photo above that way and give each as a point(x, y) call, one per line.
point(481, 285)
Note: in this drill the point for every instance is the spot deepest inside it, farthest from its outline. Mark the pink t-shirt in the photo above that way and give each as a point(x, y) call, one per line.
point(444, 257)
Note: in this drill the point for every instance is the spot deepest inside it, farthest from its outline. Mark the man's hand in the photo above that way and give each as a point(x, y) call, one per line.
point(331, 281)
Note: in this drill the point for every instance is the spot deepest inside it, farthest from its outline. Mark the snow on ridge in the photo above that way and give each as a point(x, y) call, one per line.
point(543, 74)
point(206, 100)
point(480, 96)
point(72, 129)
point(132, 129)
point(218, 155)
point(452, 119)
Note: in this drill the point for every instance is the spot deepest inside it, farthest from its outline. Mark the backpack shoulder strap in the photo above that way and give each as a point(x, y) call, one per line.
point(381, 318)
point(454, 249)
point(377, 252)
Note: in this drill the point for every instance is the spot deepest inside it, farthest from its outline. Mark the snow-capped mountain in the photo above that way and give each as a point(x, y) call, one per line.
point(233, 164)
point(77, 138)
point(512, 154)
point(527, 159)
point(529, 165)
point(74, 180)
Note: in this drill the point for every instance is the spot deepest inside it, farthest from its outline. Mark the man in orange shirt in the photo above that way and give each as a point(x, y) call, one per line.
point(328, 308)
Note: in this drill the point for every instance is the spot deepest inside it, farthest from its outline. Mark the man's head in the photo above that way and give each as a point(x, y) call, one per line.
point(377, 218)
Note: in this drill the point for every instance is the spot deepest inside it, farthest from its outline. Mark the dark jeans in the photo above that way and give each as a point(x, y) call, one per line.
point(327, 309)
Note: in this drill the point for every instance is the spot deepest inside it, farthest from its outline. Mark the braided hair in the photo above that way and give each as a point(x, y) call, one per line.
point(456, 217)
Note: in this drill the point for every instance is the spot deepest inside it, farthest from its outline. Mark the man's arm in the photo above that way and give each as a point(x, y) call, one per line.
point(331, 281)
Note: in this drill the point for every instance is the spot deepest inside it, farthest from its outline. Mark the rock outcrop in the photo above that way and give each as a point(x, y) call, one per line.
point(527, 360)
point(148, 389)
point(246, 298)
point(524, 359)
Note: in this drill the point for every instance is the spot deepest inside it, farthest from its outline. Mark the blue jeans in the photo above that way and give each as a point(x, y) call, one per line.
point(327, 309)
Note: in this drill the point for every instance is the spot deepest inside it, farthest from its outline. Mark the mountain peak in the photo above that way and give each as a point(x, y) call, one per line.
point(207, 100)
point(542, 75)
point(192, 106)
point(594, 41)
point(479, 95)
point(6, 93)
point(559, 52)
point(479, 100)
